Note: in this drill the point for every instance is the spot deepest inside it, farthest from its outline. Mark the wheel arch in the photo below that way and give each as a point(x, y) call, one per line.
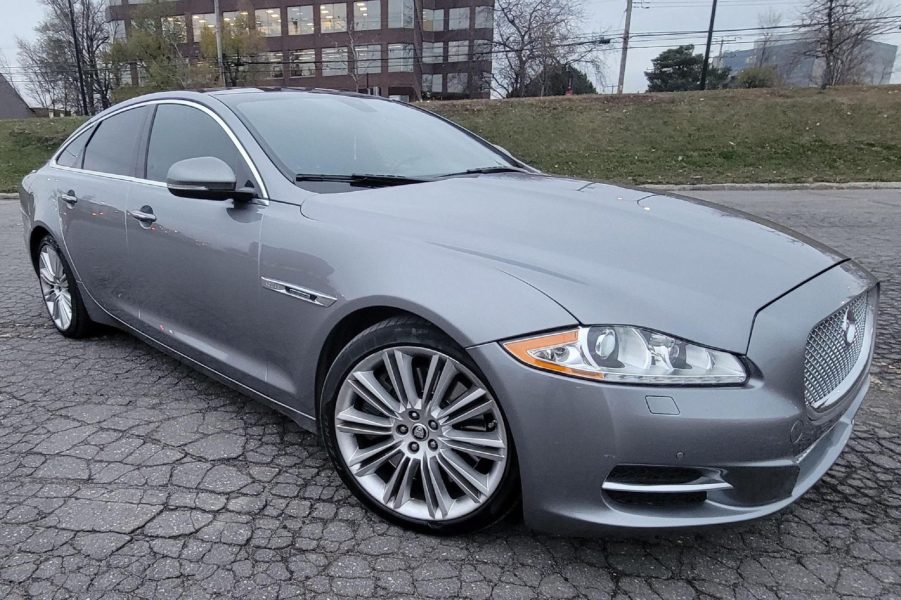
point(38, 232)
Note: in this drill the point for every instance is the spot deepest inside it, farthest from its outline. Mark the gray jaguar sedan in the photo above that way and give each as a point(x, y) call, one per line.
point(468, 335)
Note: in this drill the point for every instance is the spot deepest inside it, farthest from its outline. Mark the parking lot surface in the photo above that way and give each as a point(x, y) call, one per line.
point(126, 474)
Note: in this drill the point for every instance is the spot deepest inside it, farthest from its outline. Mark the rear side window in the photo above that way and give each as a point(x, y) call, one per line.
point(114, 147)
point(74, 151)
point(181, 132)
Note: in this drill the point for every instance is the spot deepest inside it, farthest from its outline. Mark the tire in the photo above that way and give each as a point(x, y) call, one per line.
point(412, 474)
point(59, 291)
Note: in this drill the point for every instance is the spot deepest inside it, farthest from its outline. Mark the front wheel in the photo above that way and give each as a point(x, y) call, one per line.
point(415, 431)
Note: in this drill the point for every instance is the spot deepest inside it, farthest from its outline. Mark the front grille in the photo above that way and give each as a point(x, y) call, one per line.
point(832, 350)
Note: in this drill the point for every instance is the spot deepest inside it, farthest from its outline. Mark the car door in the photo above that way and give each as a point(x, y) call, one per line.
point(93, 178)
point(192, 263)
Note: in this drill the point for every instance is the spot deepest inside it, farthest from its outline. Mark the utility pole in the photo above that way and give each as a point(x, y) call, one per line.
point(622, 60)
point(84, 96)
point(219, 43)
point(707, 51)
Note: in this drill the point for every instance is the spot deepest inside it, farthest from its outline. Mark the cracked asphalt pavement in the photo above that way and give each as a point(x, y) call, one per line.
point(126, 474)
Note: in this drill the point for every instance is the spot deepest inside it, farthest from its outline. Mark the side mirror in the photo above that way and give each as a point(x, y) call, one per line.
point(206, 178)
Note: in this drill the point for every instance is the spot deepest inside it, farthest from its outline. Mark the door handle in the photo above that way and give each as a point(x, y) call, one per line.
point(69, 198)
point(143, 217)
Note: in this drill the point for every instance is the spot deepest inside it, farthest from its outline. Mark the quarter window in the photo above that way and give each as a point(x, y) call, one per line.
point(181, 132)
point(114, 147)
point(74, 151)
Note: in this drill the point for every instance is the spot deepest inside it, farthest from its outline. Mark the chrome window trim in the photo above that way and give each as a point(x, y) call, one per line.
point(264, 193)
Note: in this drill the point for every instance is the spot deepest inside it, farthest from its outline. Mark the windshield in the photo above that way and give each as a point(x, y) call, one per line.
point(330, 134)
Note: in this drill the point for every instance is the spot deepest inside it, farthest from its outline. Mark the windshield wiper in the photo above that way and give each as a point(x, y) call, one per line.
point(363, 179)
point(482, 170)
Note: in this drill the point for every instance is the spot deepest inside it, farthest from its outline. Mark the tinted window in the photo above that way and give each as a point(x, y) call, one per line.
point(114, 147)
point(72, 153)
point(180, 132)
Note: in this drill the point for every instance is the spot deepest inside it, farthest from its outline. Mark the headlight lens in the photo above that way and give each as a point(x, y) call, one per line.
point(624, 354)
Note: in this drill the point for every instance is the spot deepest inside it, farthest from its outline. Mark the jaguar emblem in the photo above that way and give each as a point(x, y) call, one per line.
point(849, 327)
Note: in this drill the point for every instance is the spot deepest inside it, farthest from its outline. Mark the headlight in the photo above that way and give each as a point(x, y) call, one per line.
point(623, 354)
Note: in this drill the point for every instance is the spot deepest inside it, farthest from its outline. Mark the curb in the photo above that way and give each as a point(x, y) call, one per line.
point(755, 187)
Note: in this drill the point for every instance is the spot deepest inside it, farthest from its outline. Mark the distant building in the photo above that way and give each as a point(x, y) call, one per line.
point(406, 49)
point(12, 106)
point(791, 58)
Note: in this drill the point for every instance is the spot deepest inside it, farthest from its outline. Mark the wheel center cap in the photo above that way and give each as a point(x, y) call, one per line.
point(420, 432)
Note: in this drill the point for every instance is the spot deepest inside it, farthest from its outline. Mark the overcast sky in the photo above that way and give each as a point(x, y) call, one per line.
point(601, 15)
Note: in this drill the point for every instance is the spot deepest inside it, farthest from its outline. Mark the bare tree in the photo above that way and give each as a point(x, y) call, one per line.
point(839, 31)
point(534, 36)
point(768, 22)
point(49, 61)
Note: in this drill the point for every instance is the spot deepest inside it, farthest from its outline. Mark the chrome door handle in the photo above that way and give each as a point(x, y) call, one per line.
point(143, 217)
point(69, 198)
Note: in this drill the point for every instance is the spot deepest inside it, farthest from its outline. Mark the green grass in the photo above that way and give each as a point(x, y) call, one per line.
point(801, 135)
point(27, 144)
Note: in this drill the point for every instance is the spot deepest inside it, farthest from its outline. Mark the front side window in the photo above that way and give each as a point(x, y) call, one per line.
point(300, 20)
point(367, 15)
point(332, 134)
point(432, 20)
point(303, 63)
point(269, 22)
point(368, 58)
point(182, 132)
point(432, 52)
point(114, 146)
point(334, 61)
point(458, 18)
point(74, 151)
point(400, 57)
point(458, 51)
point(201, 23)
point(333, 17)
point(400, 14)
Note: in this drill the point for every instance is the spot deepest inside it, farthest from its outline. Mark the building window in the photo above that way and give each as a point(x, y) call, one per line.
point(458, 18)
point(368, 58)
point(200, 23)
point(400, 14)
point(174, 28)
point(269, 21)
point(481, 49)
point(334, 61)
point(239, 20)
point(367, 15)
point(484, 17)
point(275, 69)
point(431, 83)
point(432, 20)
point(303, 63)
point(458, 51)
point(300, 20)
point(117, 29)
point(400, 57)
point(333, 18)
point(457, 82)
point(433, 52)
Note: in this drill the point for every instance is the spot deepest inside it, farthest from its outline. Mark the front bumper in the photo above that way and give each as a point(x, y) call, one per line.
point(760, 442)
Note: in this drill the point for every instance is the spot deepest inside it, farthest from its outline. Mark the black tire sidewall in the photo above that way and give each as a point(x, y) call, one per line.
point(404, 331)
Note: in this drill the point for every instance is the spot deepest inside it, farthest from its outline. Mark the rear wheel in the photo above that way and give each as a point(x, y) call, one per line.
point(60, 292)
point(416, 432)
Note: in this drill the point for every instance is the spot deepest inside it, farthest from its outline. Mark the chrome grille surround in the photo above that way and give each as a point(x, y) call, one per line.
point(837, 350)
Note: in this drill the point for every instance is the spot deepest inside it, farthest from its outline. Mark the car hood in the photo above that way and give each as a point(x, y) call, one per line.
point(608, 255)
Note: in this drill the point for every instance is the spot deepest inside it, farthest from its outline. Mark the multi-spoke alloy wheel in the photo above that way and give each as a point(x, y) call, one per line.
point(420, 434)
point(55, 287)
point(59, 291)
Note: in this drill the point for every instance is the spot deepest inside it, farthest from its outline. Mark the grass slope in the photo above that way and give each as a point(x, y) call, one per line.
point(798, 135)
point(846, 134)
